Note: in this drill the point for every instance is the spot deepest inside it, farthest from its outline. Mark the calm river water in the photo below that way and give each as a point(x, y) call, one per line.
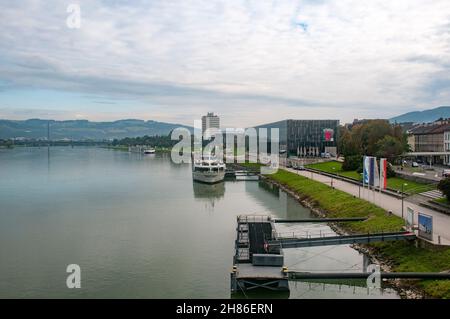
point(139, 228)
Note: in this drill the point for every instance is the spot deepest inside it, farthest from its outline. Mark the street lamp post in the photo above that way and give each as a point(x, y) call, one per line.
point(403, 196)
point(332, 177)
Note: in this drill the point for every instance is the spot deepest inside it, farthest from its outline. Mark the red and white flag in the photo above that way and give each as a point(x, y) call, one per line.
point(383, 173)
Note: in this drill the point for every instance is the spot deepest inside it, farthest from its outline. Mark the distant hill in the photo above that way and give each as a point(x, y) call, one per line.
point(83, 129)
point(423, 116)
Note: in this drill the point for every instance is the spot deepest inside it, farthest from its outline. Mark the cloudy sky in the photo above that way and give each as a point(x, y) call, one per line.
point(250, 61)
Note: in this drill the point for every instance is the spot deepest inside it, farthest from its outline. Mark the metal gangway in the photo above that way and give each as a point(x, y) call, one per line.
point(324, 239)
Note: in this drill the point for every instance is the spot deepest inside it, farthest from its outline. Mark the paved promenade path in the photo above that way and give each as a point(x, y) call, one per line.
point(441, 222)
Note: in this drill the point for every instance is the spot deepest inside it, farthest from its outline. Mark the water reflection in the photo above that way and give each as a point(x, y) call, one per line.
point(208, 191)
point(349, 289)
point(275, 201)
point(270, 188)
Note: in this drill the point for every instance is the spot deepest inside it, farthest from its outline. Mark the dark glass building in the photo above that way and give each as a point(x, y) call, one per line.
point(306, 137)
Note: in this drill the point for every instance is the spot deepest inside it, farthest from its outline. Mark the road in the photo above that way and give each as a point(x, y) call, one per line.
point(434, 174)
point(441, 222)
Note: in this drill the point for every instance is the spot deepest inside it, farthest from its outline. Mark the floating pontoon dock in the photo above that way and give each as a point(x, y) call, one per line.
point(254, 267)
point(259, 262)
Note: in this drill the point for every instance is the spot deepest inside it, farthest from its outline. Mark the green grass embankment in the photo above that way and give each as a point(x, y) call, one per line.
point(340, 204)
point(251, 166)
point(403, 256)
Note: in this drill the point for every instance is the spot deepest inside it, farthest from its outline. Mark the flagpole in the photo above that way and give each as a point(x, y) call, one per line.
point(364, 174)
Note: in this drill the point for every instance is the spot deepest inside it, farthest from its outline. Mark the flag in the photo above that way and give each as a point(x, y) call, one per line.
point(383, 173)
point(370, 171)
point(376, 176)
point(366, 170)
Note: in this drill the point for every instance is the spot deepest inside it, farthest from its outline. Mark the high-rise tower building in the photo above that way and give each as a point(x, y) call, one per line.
point(210, 121)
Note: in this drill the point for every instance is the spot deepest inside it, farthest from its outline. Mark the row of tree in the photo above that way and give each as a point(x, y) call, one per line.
point(6, 143)
point(155, 141)
point(373, 138)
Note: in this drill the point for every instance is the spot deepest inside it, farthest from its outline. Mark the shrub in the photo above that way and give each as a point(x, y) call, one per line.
point(352, 163)
point(444, 187)
point(390, 171)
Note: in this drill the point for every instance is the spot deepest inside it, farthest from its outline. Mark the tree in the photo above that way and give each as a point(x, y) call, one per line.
point(369, 138)
point(7, 143)
point(352, 163)
point(157, 141)
point(347, 144)
point(389, 147)
point(444, 187)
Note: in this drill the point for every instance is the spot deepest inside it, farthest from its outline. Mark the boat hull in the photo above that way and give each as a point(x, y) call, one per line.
point(208, 177)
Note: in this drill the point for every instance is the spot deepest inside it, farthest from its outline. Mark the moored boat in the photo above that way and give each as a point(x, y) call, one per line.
point(208, 169)
point(149, 151)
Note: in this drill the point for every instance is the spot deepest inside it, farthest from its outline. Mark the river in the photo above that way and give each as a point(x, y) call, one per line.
point(139, 227)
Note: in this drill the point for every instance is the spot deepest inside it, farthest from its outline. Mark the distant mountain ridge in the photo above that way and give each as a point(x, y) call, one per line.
point(84, 129)
point(423, 116)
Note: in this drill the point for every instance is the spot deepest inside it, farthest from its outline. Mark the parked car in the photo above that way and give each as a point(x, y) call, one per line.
point(446, 172)
point(415, 164)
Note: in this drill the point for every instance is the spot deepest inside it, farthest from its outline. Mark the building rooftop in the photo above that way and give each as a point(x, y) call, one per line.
point(437, 127)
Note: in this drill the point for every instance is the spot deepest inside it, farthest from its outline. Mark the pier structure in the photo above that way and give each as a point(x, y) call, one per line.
point(253, 265)
point(258, 261)
point(242, 174)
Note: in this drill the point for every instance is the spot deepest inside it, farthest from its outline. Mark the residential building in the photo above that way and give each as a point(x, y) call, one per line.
point(447, 147)
point(431, 141)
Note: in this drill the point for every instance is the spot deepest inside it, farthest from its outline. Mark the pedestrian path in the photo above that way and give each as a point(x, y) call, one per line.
point(398, 206)
point(433, 194)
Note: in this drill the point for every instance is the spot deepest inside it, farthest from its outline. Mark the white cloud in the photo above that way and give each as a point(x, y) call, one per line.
point(252, 61)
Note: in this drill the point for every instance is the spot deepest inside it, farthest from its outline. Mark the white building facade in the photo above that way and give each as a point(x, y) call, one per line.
point(210, 121)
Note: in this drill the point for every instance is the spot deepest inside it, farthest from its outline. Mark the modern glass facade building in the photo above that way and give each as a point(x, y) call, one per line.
point(306, 137)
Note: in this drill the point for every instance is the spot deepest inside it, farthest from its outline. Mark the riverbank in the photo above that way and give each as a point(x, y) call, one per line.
point(393, 256)
point(125, 148)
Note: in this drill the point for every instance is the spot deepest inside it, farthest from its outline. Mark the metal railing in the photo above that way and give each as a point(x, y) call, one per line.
point(305, 234)
point(253, 219)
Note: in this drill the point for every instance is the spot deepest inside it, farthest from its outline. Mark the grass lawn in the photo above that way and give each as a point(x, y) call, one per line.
point(252, 166)
point(407, 257)
point(395, 183)
point(442, 200)
point(335, 167)
point(411, 187)
point(404, 255)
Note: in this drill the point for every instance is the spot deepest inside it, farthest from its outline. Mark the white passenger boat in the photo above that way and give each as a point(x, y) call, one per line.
point(208, 169)
point(149, 151)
